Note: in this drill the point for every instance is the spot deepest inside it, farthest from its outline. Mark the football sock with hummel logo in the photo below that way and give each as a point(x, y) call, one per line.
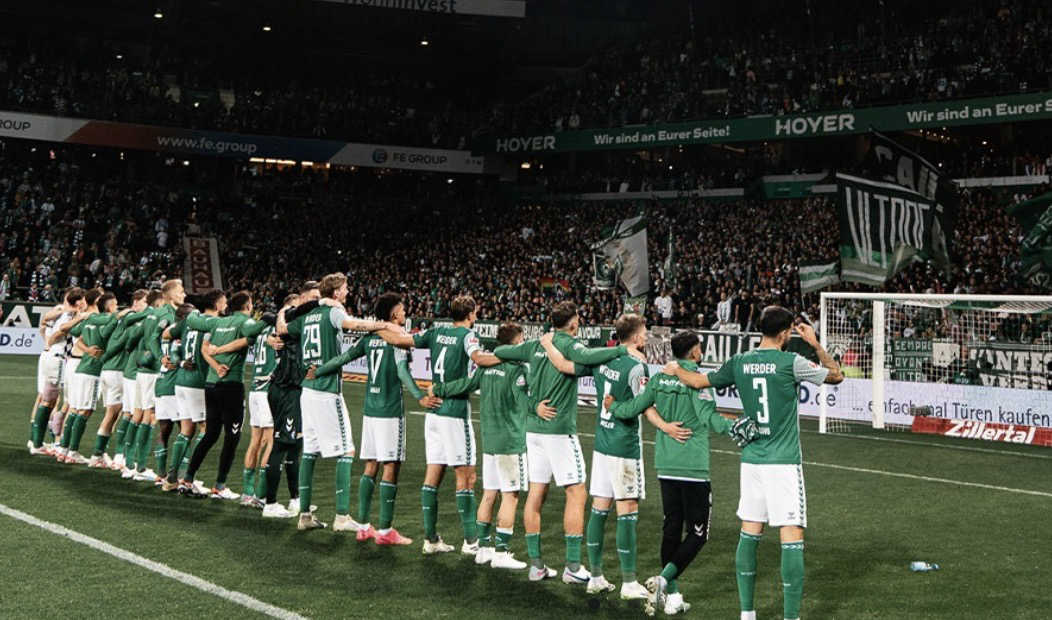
point(119, 432)
point(77, 431)
point(573, 552)
point(594, 532)
point(100, 445)
point(67, 430)
point(533, 549)
point(626, 544)
point(485, 533)
point(178, 452)
point(144, 439)
point(745, 567)
point(248, 481)
point(429, 505)
point(343, 485)
point(792, 578)
point(388, 492)
point(365, 497)
point(40, 419)
point(466, 508)
point(503, 539)
point(306, 480)
point(129, 443)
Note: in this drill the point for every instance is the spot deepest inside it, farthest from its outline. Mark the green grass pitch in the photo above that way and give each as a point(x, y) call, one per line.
point(865, 527)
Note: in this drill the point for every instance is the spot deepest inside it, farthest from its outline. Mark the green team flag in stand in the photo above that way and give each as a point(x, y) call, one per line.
point(621, 256)
point(1035, 251)
point(669, 268)
point(818, 276)
point(883, 228)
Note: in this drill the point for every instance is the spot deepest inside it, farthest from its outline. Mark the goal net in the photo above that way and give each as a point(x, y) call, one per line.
point(958, 365)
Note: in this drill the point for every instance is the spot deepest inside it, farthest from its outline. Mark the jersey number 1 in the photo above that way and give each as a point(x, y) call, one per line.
point(376, 356)
point(760, 384)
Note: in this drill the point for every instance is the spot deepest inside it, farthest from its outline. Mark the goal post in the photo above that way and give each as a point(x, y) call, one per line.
point(950, 360)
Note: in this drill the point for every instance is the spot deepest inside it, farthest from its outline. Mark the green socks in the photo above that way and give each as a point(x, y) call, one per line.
point(248, 481)
point(573, 551)
point(429, 504)
point(67, 429)
point(261, 482)
point(594, 534)
point(343, 485)
point(145, 438)
point(792, 578)
point(503, 539)
point(672, 586)
point(626, 544)
point(185, 464)
point(485, 532)
point(100, 445)
point(388, 491)
point(466, 508)
point(77, 432)
point(533, 549)
point(365, 498)
point(129, 443)
point(745, 569)
point(670, 571)
point(178, 451)
point(40, 418)
point(118, 433)
point(306, 478)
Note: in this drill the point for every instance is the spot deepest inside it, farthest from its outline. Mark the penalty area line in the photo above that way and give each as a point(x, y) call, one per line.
point(238, 598)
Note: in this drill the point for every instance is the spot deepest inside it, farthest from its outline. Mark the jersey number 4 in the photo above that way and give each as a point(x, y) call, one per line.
point(760, 385)
point(440, 365)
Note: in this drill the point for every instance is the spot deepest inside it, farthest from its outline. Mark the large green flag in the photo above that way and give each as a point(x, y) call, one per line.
point(1035, 217)
point(621, 256)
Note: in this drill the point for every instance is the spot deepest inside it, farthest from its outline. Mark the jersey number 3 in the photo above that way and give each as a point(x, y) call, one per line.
point(760, 384)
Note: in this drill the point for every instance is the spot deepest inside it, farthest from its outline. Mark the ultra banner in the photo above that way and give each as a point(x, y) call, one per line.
point(201, 268)
point(989, 110)
point(222, 144)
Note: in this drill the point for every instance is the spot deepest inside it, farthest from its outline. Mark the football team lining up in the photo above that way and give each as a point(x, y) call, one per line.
point(162, 366)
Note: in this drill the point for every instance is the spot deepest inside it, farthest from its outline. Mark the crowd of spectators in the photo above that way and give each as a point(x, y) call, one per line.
point(976, 49)
point(68, 219)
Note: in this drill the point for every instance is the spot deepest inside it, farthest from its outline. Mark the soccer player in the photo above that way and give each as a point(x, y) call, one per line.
point(166, 405)
point(132, 402)
point(49, 367)
point(505, 405)
point(144, 375)
point(617, 464)
point(224, 388)
point(449, 436)
point(326, 427)
point(684, 417)
point(92, 334)
point(383, 419)
point(283, 396)
point(552, 446)
point(190, 381)
point(772, 478)
point(111, 382)
point(74, 355)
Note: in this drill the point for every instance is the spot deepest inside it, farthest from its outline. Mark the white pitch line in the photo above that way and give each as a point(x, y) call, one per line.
point(863, 470)
point(237, 598)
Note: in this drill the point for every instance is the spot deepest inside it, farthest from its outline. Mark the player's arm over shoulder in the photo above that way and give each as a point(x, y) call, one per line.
point(806, 370)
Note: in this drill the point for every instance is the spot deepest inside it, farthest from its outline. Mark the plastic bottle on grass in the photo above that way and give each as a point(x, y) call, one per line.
point(923, 567)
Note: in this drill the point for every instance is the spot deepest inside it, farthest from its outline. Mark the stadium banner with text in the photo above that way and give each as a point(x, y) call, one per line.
point(489, 8)
point(201, 268)
point(20, 341)
point(223, 144)
point(1035, 218)
point(24, 313)
point(985, 431)
point(987, 110)
point(883, 227)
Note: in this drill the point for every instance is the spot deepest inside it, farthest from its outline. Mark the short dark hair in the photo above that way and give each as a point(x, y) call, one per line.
point(385, 305)
point(239, 300)
point(183, 311)
point(627, 325)
point(289, 299)
point(153, 296)
point(775, 320)
point(91, 296)
point(74, 294)
point(563, 313)
point(683, 342)
point(461, 307)
point(211, 298)
point(507, 332)
point(139, 294)
point(308, 286)
point(105, 299)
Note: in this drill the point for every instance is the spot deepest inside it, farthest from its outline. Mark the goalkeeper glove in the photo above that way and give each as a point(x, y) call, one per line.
point(744, 431)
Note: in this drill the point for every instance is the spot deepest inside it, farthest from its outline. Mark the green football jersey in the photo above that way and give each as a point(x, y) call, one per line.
point(143, 355)
point(387, 371)
point(165, 384)
point(504, 405)
point(451, 349)
point(224, 330)
point(131, 346)
point(768, 382)
point(318, 332)
point(165, 318)
point(623, 378)
point(95, 330)
point(547, 383)
point(115, 356)
point(676, 402)
point(264, 360)
point(190, 340)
